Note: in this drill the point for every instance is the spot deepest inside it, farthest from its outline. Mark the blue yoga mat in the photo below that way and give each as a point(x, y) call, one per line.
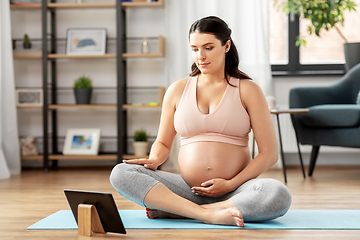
point(294, 219)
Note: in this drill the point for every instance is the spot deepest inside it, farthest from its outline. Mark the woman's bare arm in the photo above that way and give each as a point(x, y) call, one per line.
point(264, 132)
point(160, 150)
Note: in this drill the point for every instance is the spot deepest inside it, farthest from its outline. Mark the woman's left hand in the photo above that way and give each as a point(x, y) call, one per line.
point(213, 188)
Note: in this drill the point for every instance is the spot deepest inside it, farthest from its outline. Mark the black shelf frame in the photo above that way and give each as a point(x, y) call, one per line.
point(50, 38)
point(121, 77)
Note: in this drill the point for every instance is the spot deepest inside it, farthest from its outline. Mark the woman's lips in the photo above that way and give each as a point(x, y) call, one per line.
point(203, 64)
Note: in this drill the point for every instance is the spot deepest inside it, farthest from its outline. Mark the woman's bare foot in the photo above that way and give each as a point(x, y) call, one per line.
point(223, 204)
point(154, 213)
point(221, 216)
point(226, 216)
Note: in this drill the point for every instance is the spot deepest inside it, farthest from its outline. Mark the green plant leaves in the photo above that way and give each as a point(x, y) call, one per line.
point(140, 135)
point(323, 14)
point(83, 82)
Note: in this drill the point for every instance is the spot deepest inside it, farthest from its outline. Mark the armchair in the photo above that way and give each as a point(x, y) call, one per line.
point(333, 118)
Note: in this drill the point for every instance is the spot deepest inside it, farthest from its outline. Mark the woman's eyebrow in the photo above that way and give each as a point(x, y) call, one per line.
point(203, 45)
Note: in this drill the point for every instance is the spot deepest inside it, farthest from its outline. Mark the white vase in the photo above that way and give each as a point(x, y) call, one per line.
point(145, 49)
point(140, 148)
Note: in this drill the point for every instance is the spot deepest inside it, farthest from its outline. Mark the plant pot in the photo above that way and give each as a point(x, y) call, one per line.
point(140, 148)
point(27, 45)
point(82, 95)
point(352, 55)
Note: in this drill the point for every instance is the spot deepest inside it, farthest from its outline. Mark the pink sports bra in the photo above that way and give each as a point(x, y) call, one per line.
point(228, 123)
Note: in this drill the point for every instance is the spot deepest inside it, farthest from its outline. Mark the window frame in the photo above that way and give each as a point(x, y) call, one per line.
point(294, 67)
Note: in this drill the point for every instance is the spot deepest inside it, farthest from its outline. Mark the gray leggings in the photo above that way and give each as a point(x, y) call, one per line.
point(259, 199)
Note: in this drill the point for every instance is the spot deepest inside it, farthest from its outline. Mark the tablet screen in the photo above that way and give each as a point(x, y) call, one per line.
point(104, 203)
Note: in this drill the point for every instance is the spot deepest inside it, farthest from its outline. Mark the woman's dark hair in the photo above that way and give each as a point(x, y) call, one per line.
point(217, 27)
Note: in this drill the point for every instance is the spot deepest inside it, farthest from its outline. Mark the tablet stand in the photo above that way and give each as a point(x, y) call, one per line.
point(88, 220)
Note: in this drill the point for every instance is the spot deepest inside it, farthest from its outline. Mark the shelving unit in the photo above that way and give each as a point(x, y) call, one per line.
point(50, 55)
point(20, 57)
point(49, 82)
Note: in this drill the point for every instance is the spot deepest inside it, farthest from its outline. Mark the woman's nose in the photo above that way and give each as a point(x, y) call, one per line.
point(201, 55)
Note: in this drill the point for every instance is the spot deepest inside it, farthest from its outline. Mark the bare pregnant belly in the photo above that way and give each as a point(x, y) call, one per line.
point(202, 161)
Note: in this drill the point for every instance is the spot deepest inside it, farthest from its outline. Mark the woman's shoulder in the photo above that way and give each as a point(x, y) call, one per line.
point(248, 87)
point(178, 86)
point(180, 83)
point(175, 90)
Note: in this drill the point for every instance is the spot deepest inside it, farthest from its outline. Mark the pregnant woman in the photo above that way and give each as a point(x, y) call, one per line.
point(213, 111)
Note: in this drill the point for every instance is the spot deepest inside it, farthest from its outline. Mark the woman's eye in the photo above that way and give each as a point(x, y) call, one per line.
point(209, 48)
point(194, 49)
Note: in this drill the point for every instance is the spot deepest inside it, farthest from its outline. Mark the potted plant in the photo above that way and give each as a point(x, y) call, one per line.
point(140, 143)
point(26, 42)
point(324, 14)
point(82, 90)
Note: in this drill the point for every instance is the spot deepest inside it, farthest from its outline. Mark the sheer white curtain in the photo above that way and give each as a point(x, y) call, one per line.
point(9, 144)
point(249, 23)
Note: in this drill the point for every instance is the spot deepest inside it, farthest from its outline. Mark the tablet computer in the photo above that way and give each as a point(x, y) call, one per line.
point(104, 203)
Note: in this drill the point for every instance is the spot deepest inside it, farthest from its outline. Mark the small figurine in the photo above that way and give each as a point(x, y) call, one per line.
point(28, 147)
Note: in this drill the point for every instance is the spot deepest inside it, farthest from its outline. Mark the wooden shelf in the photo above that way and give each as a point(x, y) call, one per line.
point(93, 106)
point(141, 55)
point(58, 56)
point(83, 106)
point(80, 5)
point(142, 3)
point(27, 56)
point(25, 6)
point(106, 55)
point(83, 157)
point(36, 157)
point(29, 107)
point(133, 156)
point(133, 4)
point(92, 157)
point(128, 106)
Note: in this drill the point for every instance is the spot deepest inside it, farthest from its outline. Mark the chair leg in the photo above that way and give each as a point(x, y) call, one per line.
point(314, 154)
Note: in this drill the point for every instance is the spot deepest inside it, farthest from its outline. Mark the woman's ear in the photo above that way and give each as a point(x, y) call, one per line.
point(227, 45)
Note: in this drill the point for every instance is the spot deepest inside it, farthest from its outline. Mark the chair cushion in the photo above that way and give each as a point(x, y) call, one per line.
point(333, 115)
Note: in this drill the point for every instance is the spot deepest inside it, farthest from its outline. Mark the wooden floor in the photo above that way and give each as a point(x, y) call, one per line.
point(33, 195)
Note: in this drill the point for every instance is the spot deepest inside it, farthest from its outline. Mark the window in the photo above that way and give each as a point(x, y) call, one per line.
point(323, 54)
point(278, 36)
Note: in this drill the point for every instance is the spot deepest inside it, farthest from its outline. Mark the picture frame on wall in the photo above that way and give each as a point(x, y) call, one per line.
point(86, 41)
point(82, 141)
point(29, 97)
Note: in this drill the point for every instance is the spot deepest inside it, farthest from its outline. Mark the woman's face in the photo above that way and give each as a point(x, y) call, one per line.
point(207, 52)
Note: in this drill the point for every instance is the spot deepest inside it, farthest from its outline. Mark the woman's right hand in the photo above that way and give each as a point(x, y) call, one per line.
point(150, 163)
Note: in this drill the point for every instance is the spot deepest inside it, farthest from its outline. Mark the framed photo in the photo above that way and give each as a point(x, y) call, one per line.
point(82, 141)
point(86, 41)
point(29, 97)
